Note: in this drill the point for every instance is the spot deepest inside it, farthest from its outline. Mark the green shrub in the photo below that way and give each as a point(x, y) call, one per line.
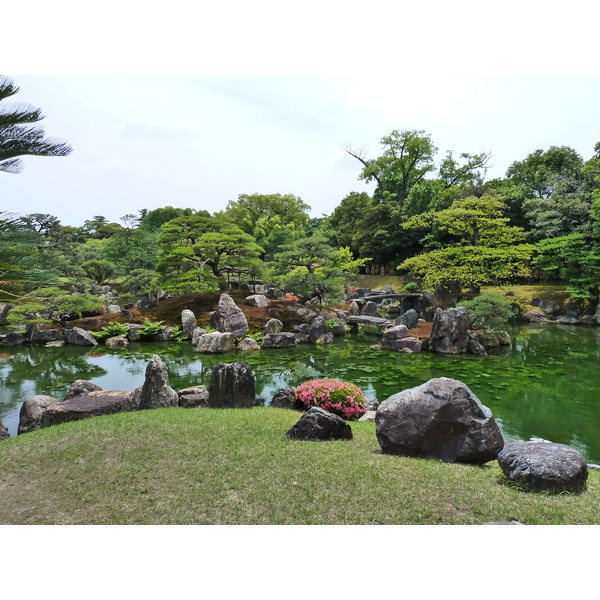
point(151, 328)
point(489, 311)
point(111, 330)
point(411, 287)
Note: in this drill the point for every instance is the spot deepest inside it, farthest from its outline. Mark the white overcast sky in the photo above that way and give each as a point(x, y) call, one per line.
point(193, 107)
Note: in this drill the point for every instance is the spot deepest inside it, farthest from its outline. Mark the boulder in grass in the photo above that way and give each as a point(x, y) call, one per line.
point(318, 425)
point(285, 398)
point(541, 466)
point(440, 419)
point(3, 431)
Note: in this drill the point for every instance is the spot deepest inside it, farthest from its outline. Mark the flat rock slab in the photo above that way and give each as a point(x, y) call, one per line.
point(544, 466)
point(95, 404)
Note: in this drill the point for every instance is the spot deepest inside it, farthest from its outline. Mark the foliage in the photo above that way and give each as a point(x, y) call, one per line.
point(151, 328)
point(20, 260)
point(338, 397)
point(480, 245)
point(574, 258)
point(406, 159)
point(177, 335)
point(111, 330)
point(196, 253)
point(99, 271)
point(411, 287)
point(153, 220)
point(18, 135)
point(488, 311)
point(53, 304)
point(271, 219)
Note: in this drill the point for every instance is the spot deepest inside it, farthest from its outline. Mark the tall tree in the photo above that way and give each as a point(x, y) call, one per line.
point(18, 137)
point(271, 219)
point(406, 159)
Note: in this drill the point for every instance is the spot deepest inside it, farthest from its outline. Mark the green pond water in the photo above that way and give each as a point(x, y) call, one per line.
point(545, 385)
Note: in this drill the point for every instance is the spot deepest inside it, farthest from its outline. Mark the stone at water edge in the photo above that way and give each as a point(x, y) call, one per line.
point(285, 398)
point(156, 392)
point(232, 386)
point(32, 411)
point(319, 425)
point(4, 435)
point(79, 337)
point(215, 342)
point(279, 340)
point(81, 387)
point(440, 419)
point(188, 323)
point(319, 333)
point(543, 466)
point(273, 326)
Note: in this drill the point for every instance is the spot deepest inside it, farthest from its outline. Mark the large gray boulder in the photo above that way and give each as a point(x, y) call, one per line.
point(449, 331)
point(257, 300)
point(156, 391)
point(79, 337)
point(232, 386)
point(32, 410)
point(285, 339)
point(273, 326)
point(95, 404)
point(410, 318)
point(215, 342)
point(319, 333)
point(398, 338)
point(229, 318)
point(317, 425)
point(248, 345)
point(542, 466)
point(440, 419)
point(370, 309)
point(43, 336)
point(188, 323)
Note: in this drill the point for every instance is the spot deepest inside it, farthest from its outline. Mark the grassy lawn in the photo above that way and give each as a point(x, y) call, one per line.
point(205, 466)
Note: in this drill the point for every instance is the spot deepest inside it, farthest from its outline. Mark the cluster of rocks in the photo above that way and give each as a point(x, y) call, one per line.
point(232, 386)
point(442, 419)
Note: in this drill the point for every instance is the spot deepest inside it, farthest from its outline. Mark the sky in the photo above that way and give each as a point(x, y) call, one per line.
point(200, 141)
point(197, 107)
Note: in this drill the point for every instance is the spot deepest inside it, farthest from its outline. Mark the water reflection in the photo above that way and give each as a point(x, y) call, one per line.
point(544, 385)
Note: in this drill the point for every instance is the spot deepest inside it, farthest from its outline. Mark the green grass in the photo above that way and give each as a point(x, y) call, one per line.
point(207, 466)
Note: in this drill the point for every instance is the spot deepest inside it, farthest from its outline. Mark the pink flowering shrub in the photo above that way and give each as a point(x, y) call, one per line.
point(338, 397)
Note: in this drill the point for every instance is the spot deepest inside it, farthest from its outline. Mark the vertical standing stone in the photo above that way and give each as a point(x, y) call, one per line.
point(188, 323)
point(232, 386)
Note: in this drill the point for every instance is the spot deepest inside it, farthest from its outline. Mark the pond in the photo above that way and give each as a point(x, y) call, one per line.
point(544, 385)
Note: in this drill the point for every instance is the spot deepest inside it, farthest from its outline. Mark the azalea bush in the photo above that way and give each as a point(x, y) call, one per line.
point(338, 397)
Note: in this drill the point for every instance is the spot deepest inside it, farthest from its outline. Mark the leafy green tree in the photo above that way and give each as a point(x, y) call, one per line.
point(574, 258)
point(346, 218)
point(18, 135)
point(406, 160)
point(566, 210)
point(271, 219)
point(196, 253)
point(99, 271)
point(541, 170)
point(482, 248)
